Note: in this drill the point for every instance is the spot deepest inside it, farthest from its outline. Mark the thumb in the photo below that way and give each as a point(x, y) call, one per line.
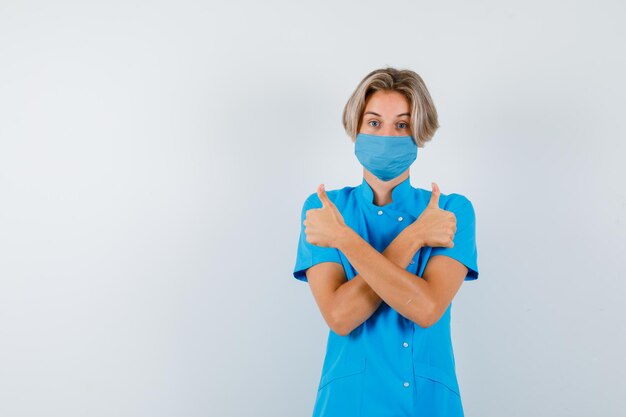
point(434, 197)
point(321, 193)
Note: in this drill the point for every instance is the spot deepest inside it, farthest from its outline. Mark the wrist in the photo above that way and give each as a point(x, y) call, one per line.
point(415, 234)
point(343, 237)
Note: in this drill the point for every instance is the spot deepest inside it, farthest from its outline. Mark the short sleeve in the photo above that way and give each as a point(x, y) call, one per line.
point(309, 254)
point(464, 249)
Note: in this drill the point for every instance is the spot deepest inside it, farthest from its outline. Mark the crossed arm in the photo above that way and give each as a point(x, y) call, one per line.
point(383, 277)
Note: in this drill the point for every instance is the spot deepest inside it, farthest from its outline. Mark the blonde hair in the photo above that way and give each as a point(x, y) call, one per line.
point(423, 113)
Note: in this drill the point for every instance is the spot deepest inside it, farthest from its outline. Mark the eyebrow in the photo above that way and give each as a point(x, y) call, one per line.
point(376, 114)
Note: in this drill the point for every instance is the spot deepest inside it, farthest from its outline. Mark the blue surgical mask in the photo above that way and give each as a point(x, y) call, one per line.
point(385, 156)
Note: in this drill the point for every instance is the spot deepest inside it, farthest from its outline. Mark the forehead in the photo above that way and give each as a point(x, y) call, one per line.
point(387, 102)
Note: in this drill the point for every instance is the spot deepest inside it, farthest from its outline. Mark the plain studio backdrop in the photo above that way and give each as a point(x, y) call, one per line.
point(155, 156)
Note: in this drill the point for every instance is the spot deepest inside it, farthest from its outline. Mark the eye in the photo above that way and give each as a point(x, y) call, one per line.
point(372, 121)
point(402, 125)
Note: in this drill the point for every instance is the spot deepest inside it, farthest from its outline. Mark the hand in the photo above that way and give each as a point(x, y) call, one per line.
point(435, 226)
point(324, 226)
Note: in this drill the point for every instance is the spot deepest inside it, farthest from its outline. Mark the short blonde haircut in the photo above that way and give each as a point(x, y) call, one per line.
point(423, 113)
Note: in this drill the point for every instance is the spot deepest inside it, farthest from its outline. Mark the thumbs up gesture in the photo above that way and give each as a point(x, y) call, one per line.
point(435, 226)
point(324, 225)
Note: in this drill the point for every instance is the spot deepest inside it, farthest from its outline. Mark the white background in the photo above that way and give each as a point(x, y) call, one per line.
point(154, 158)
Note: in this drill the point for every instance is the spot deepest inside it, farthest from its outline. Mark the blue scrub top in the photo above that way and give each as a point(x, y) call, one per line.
point(389, 365)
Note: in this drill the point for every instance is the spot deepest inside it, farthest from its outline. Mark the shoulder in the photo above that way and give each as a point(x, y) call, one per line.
point(455, 199)
point(455, 202)
point(460, 205)
point(338, 196)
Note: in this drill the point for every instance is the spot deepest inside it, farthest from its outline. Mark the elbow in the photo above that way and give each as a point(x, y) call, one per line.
point(423, 322)
point(341, 331)
point(427, 317)
point(427, 322)
point(339, 325)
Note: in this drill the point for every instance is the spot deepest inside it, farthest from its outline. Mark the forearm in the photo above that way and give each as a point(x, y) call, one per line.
point(388, 278)
point(355, 301)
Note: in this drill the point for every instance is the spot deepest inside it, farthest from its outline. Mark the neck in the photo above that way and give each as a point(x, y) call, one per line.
point(382, 189)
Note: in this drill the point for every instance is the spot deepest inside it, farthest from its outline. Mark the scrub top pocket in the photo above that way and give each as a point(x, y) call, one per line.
point(340, 391)
point(342, 370)
point(436, 392)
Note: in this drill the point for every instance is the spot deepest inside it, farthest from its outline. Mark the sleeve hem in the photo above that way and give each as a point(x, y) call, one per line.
point(472, 269)
point(299, 271)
